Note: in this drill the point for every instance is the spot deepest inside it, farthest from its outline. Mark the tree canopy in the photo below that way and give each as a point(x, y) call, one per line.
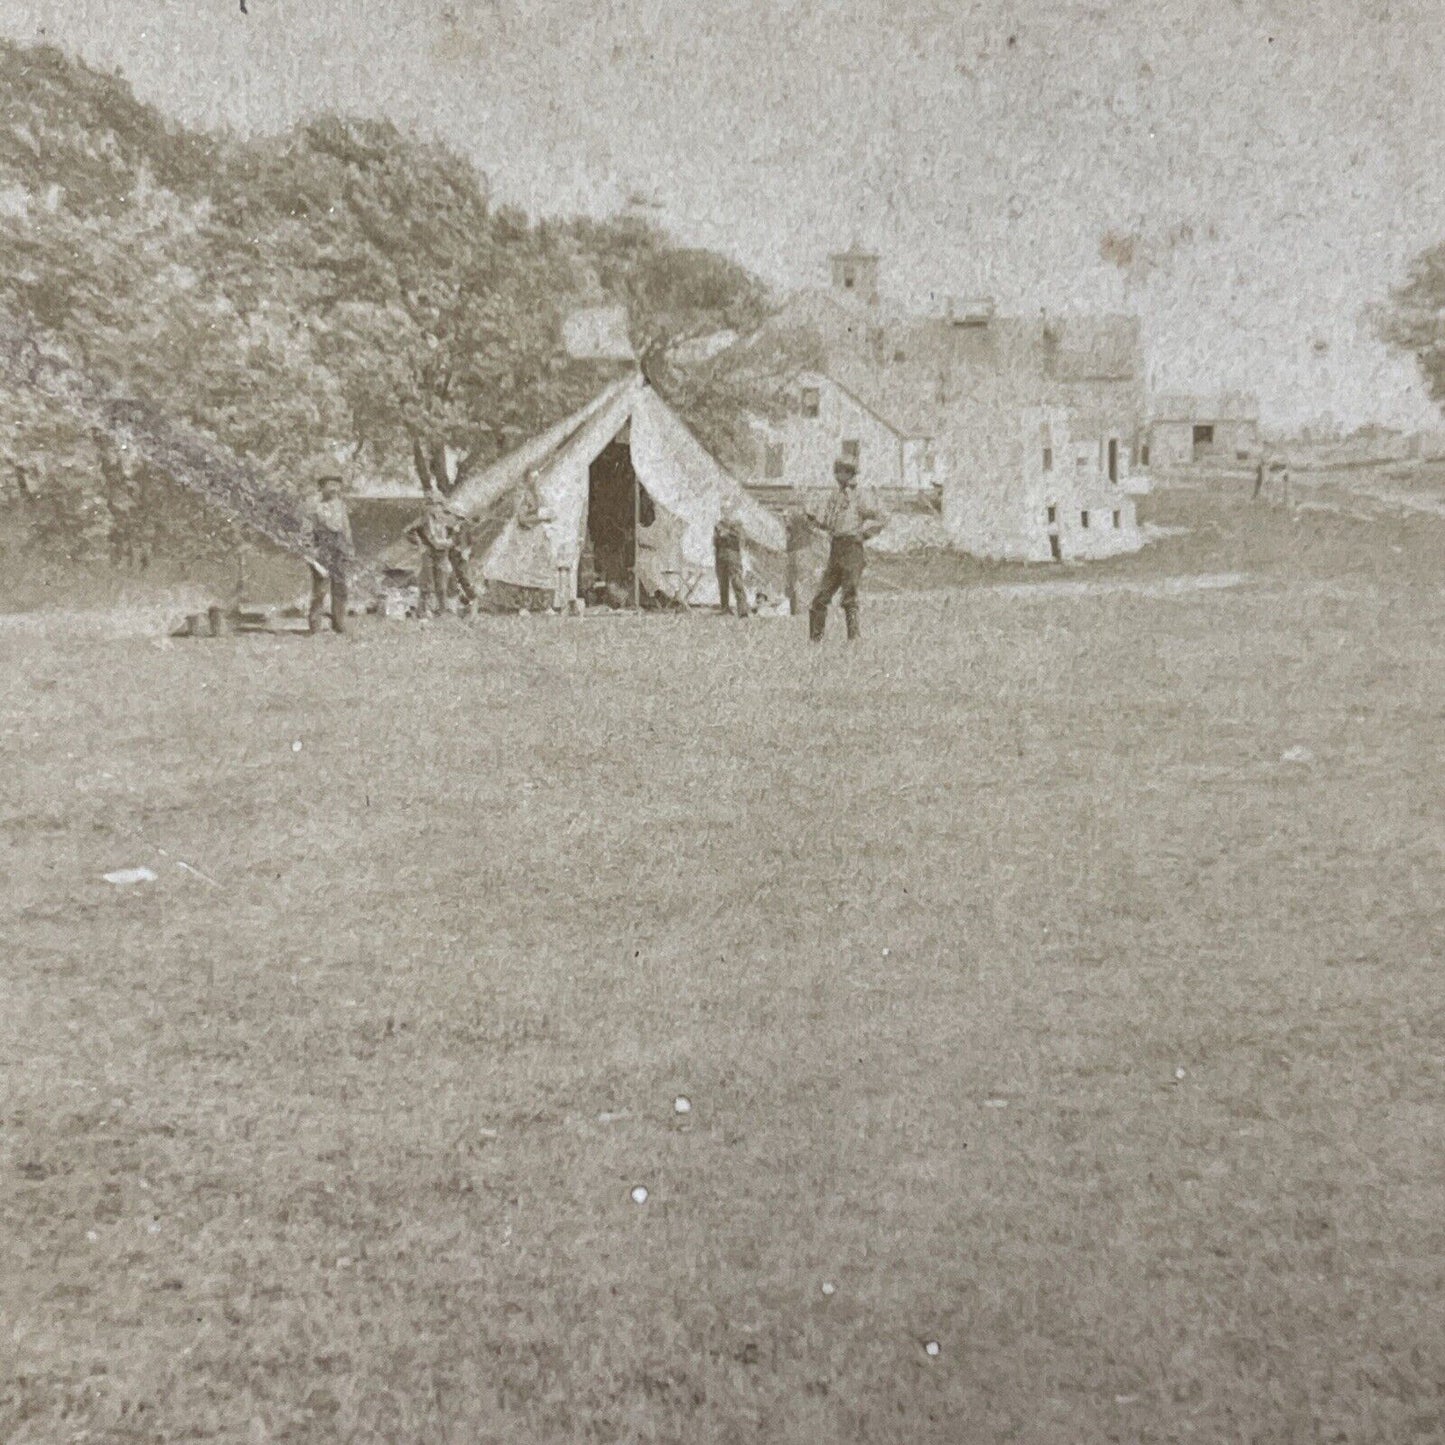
point(341, 288)
point(1414, 320)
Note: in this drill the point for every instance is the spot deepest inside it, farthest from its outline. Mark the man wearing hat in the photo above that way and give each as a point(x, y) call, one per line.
point(727, 548)
point(432, 532)
point(331, 551)
point(459, 552)
point(849, 520)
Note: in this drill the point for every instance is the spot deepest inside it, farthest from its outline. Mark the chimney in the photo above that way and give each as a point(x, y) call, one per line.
point(855, 274)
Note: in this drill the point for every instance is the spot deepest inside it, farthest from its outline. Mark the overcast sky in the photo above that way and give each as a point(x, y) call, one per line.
point(1283, 159)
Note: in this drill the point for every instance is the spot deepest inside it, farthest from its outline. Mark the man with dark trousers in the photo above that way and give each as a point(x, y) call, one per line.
point(432, 532)
point(727, 547)
point(849, 520)
point(459, 555)
point(330, 553)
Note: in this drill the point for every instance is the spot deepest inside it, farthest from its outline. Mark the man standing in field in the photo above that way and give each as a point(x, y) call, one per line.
point(849, 520)
point(459, 550)
point(1259, 472)
point(331, 552)
point(727, 546)
point(432, 531)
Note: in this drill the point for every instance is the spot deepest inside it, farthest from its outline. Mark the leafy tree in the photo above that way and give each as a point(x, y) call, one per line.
point(1414, 319)
point(698, 327)
point(98, 269)
point(341, 285)
point(439, 316)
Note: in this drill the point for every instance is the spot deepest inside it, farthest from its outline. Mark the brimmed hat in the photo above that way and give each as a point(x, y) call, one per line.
point(326, 469)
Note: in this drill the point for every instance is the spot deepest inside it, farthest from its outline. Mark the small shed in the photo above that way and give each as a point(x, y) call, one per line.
point(1201, 430)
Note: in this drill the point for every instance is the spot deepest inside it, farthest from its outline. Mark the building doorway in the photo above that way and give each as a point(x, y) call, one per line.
point(1203, 441)
point(1114, 460)
point(617, 504)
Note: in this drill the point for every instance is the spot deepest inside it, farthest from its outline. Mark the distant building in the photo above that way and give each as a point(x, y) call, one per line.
point(855, 273)
point(1023, 432)
point(1189, 430)
point(1022, 487)
point(828, 422)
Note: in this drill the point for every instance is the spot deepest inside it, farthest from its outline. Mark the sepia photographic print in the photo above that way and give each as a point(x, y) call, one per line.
point(722, 721)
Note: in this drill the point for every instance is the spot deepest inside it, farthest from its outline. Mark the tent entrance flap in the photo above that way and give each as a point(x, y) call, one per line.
point(617, 504)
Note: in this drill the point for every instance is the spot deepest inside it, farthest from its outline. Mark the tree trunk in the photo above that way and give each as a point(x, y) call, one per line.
point(437, 459)
point(419, 461)
point(466, 466)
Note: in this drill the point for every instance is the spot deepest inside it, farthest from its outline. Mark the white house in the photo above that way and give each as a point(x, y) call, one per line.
point(1020, 487)
point(1023, 430)
point(832, 422)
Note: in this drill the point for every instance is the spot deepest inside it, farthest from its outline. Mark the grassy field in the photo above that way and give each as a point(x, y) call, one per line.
point(1029, 1003)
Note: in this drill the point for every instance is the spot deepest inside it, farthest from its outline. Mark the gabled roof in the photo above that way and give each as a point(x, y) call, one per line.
point(859, 401)
point(912, 371)
point(487, 487)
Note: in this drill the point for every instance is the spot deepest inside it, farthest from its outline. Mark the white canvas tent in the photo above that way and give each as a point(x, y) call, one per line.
point(628, 461)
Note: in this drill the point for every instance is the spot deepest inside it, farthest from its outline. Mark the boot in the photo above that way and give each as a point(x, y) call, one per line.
point(816, 622)
point(850, 615)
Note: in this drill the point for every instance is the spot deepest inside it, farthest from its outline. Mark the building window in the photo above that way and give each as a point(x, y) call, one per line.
point(1048, 459)
point(1118, 522)
point(900, 355)
point(812, 401)
point(1204, 436)
point(773, 462)
point(1053, 514)
point(1082, 461)
point(1144, 455)
point(850, 449)
point(850, 278)
point(1084, 520)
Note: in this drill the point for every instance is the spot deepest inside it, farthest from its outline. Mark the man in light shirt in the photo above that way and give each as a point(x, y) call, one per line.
point(330, 550)
point(849, 520)
point(432, 532)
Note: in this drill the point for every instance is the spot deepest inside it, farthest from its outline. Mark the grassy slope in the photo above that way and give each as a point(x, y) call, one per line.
point(314, 1154)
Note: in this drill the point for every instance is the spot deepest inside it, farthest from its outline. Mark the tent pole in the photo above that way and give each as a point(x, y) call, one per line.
point(636, 524)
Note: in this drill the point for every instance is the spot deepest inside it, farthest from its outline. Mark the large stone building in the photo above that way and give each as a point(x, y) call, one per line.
point(1023, 431)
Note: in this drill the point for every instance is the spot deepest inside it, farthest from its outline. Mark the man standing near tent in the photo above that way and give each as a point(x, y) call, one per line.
point(459, 551)
point(432, 532)
point(849, 520)
point(330, 551)
point(727, 547)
